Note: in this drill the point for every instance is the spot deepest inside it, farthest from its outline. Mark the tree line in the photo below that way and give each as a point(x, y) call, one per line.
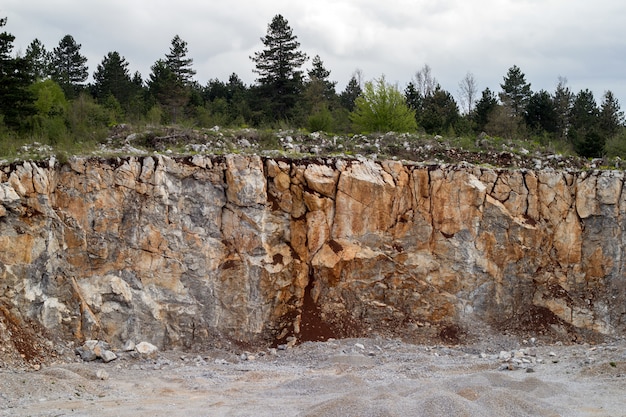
point(45, 95)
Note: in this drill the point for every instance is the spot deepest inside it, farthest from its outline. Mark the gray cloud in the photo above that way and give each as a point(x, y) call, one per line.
point(580, 40)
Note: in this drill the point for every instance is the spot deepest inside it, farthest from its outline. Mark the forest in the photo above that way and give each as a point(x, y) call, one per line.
point(45, 97)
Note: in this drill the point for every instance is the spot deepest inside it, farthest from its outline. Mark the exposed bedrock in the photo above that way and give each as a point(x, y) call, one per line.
point(185, 251)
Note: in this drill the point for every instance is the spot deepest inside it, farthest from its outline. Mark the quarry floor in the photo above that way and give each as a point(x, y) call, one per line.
point(350, 377)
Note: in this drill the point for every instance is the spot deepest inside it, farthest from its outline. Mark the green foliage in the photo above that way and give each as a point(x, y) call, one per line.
point(616, 145)
point(584, 132)
point(49, 122)
point(112, 80)
point(541, 115)
point(16, 100)
point(280, 79)
point(484, 107)
point(39, 60)
point(154, 116)
point(439, 112)
point(516, 91)
point(349, 95)
point(610, 118)
point(68, 67)
point(178, 62)
point(49, 98)
point(321, 121)
point(381, 108)
point(88, 121)
point(168, 90)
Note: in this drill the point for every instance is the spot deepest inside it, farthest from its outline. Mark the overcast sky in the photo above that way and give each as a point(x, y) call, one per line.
point(582, 40)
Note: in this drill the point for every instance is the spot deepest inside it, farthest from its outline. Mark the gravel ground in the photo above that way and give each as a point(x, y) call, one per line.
point(351, 377)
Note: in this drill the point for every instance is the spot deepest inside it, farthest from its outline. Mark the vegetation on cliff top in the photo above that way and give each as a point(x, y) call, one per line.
point(47, 107)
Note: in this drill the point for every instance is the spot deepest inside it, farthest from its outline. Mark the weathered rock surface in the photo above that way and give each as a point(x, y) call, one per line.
point(184, 251)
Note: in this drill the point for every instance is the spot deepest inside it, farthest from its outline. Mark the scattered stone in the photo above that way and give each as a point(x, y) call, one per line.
point(108, 356)
point(359, 346)
point(145, 348)
point(129, 346)
point(102, 374)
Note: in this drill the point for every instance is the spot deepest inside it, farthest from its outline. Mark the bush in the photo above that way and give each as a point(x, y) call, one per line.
point(616, 145)
point(321, 121)
point(381, 107)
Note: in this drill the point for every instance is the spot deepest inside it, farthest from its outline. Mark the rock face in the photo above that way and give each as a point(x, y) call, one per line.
point(184, 251)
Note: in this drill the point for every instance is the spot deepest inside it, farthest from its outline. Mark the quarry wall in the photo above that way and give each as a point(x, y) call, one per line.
point(186, 251)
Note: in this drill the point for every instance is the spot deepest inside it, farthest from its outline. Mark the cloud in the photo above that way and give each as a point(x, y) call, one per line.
point(578, 39)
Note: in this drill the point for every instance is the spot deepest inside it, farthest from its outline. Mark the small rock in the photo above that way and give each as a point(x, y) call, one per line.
point(146, 348)
point(359, 346)
point(129, 346)
point(530, 370)
point(102, 374)
point(108, 356)
point(504, 355)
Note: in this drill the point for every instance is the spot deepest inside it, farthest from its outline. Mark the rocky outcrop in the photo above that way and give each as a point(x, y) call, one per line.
point(187, 251)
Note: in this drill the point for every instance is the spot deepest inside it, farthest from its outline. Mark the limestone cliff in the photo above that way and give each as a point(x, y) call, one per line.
point(187, 250)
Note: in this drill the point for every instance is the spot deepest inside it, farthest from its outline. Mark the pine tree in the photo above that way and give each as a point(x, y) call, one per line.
point(16, 100)
point(516, 91)
point(112, 78)
point(318, 75)
point(611, 117)
point(168, 89)
point(178, 62)
point(320, 92)
point(584, 131)
point(69, 67)
point(39, 59)
point(562, 99)
point(439, 112)
point(280, 79)
point(484, 108)
point(349, 95)
point(541, 115)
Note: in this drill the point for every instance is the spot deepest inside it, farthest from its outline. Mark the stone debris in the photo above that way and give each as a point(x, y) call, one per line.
point(92, 350)
point(525, 358)
point(145, 348)
point(102, 374)
point(95, 349)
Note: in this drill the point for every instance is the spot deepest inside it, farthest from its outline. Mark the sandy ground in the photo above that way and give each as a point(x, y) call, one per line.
point(352, 377)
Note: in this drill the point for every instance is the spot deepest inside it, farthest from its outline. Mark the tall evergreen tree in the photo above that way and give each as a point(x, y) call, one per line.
point(611, 117)
point(563, 99)
point(484, 107)
point(280, 78)
point(318, 77)
point(69, 67)
point(584, 127)
point(168, 89)
point(516, 91)
point(541, 115)
point(439, 112)
point(39, 59)
point(413, 98)
point(112, 78)
point(16, 100)
point(349, 95)
point(178, 62)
